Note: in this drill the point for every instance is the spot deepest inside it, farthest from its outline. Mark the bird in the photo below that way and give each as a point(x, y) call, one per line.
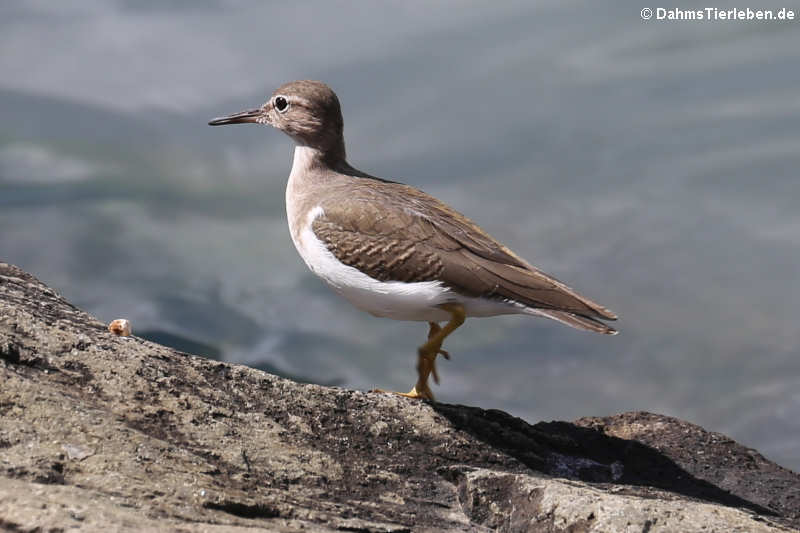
point(391, 249)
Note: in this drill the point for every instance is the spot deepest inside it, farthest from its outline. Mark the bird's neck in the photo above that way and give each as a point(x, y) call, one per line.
point(312, 171)
point(310, 159)
point(325, 149)
point(307, 158)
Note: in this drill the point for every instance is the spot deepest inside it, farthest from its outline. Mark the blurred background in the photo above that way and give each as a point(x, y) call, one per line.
point(650, 165)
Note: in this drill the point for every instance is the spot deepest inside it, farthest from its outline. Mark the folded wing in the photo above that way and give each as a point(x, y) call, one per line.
point(410, 236)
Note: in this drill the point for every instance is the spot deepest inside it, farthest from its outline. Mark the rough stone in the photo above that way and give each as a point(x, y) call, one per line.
point(101, 432)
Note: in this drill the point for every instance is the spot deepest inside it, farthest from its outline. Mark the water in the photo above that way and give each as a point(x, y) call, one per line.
point(651, 165)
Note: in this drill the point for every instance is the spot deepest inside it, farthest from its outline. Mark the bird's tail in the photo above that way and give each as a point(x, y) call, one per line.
point(576, 321)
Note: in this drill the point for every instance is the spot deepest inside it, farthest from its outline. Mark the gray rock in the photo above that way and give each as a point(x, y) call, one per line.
point(109, 433)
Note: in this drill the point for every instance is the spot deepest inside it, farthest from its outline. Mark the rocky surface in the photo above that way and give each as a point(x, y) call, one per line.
point(102, 432)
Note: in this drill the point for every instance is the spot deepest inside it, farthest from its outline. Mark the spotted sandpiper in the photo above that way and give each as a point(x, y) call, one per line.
point(393, 250)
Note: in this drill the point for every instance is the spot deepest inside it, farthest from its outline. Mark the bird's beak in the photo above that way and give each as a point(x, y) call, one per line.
point(258, 116)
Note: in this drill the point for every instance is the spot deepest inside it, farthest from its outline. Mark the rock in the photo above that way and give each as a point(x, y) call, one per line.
point(77, 452)
point(102, 432)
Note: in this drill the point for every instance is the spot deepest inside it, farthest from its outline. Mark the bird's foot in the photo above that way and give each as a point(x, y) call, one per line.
point(420, 393)
point(425, 367)
point(426, 363)
point(424, 393)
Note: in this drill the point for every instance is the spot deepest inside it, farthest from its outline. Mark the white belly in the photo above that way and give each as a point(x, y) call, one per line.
point(390, 299)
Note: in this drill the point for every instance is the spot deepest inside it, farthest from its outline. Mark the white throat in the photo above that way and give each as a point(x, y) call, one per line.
point(303, 157)
point(301, 166)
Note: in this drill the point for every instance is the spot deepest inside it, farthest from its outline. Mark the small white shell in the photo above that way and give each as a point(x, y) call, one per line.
point(121, 327)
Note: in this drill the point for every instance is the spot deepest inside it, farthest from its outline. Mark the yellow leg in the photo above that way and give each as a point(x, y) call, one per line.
point(422, 364)
point(434, 330)
point(427, 352)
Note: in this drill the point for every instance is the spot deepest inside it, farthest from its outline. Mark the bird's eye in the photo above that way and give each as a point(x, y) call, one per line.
point(281, 104)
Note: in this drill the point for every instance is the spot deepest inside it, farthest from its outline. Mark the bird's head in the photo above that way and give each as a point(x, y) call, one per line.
point(307, 111)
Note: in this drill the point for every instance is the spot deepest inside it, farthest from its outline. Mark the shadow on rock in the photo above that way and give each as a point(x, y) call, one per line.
point(569, 450)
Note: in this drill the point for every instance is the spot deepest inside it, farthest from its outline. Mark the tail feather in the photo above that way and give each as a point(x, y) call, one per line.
point(576, 321)
point(534, 288)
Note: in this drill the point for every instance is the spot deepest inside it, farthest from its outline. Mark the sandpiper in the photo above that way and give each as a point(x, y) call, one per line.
point(393, 250)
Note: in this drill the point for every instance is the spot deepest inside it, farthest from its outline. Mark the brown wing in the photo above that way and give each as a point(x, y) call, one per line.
point(410, 236)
